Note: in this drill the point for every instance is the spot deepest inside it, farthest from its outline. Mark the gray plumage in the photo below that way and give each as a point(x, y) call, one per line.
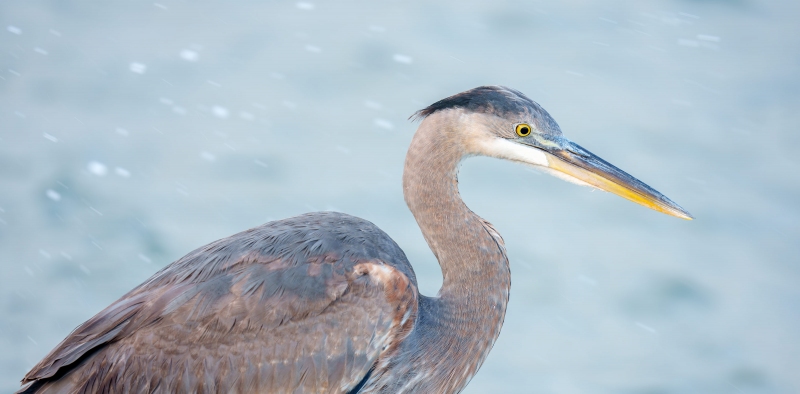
point(497, 101)
point(326, 302)
point(280, 306)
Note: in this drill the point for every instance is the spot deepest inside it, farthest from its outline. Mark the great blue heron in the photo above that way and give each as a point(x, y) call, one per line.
point(328, 303)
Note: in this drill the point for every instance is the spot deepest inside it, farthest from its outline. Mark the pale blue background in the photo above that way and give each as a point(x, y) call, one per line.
point(132, 132)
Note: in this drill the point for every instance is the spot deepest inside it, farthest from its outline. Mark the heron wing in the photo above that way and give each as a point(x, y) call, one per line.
point(278, 308)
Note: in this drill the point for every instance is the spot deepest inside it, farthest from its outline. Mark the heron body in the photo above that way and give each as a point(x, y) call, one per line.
point(326, 302)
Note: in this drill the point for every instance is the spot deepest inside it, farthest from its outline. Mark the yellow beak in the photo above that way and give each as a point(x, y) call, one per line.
point(586, 167)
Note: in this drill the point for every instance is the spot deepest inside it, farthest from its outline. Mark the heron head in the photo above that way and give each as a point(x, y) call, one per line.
point(501, 122)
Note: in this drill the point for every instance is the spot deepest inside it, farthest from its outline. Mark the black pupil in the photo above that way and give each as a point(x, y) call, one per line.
point(524, 131)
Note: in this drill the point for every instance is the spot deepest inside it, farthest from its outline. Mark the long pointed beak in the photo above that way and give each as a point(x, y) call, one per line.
point(583, 165)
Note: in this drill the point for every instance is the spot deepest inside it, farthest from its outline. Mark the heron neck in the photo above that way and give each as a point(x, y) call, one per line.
point(471, 304)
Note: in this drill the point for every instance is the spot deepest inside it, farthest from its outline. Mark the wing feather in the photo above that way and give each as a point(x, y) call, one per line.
point(272, 309)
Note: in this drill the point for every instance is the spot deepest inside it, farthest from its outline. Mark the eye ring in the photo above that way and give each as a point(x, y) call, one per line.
point(523, 130)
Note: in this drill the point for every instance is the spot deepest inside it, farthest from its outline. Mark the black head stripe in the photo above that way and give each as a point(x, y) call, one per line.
point(495, 100)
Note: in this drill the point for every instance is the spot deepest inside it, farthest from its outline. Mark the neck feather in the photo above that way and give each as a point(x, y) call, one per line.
point(469, 310)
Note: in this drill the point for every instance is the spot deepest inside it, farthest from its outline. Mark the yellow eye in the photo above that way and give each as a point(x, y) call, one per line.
point(523, 130)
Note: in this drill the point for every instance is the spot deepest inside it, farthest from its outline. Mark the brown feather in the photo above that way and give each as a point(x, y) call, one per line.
point(261, 321)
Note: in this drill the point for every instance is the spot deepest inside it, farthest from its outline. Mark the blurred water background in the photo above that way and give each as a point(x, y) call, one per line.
point(132, 132)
